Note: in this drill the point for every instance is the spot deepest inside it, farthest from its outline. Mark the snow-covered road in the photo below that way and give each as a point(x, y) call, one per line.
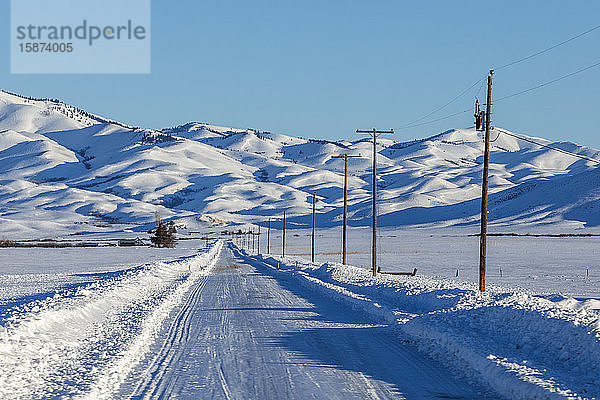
point(244, 332)
point(226, 324)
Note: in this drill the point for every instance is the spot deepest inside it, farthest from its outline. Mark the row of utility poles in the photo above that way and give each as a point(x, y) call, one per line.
point(247, 240)
point(375, 134)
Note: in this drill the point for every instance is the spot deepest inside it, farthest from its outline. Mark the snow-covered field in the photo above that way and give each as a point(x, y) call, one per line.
point(28, 273)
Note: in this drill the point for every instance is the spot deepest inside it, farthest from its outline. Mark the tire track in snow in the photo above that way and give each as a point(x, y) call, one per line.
point(113, 376)
point(223, 382)
point(153, 385)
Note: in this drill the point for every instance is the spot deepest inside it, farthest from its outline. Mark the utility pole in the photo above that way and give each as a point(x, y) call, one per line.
point(258, 246)
point(484, 186)
point(345, 157)
point(374, 132)
point(283, 236)
point(252, 234)
point(269, 237)
point(313, 229)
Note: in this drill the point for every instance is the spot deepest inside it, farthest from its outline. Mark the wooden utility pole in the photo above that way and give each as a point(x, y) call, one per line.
point(269, 237)
point(258, 246)
point(345, 157)
point(484, 186)
point(374, 132)
point(313, 229)
point(283, 236)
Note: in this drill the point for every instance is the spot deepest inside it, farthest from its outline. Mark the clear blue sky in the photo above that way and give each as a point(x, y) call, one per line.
point(325, 68)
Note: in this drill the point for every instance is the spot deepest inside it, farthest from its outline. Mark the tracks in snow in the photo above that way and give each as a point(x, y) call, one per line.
point(153, 384)
point(80, 343)
point(247, 332)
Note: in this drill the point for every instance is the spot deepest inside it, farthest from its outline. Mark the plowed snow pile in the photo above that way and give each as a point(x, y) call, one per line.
point(93, 334)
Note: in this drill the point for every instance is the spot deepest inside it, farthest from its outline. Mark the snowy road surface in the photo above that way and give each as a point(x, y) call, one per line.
point(225, 324)
point(243, 333)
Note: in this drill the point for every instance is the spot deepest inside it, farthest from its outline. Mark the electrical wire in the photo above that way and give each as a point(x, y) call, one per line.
point(546, 146)
point(541, 85)
point(497, 137)
point(414, 123)
point(410, 124)
point(480, 90)
point(435, 120)
point(547, 49)
point(548, 82)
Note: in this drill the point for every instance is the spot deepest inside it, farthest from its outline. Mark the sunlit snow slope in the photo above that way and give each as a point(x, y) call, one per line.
point(65, 170)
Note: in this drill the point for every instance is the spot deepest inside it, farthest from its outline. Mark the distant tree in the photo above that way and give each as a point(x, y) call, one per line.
point(164, 234)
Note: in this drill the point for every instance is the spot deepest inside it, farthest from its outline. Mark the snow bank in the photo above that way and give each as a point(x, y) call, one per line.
point(86, 340)
point(522, 346)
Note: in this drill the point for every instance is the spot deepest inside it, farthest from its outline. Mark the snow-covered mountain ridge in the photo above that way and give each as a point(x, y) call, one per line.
point(63, 168)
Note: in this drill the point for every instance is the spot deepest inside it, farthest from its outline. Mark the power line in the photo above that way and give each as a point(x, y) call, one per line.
point(482, 80)
point(436, 120)
point(480, 88)
point(549, 82)
point(546, 146)
point(547, 49)
point(541, 85)
point(410, 124)
point(416, 123)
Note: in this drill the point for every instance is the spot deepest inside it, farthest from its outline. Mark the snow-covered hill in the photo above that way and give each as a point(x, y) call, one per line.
point(65, 170)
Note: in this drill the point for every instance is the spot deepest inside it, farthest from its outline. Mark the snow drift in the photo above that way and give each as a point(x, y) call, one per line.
point(523, 346)
point(93, 334)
